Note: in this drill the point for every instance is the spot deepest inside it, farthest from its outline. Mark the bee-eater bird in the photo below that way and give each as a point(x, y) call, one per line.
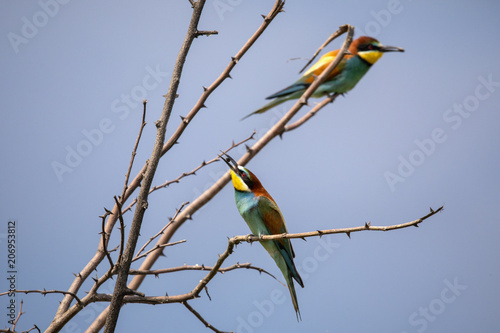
point(260, 212)
point(364, 52)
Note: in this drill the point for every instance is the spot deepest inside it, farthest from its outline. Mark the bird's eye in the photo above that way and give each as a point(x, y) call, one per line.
point(370, 47)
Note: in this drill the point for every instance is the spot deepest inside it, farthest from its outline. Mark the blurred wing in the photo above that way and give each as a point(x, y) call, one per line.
point(321, 65)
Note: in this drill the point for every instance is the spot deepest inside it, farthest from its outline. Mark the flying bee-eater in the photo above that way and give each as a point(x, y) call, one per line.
point(261, 213)
point(363, 53)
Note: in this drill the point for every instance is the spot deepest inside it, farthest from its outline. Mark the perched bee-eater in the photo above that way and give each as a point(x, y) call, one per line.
point(260, 212)
point(364, 52)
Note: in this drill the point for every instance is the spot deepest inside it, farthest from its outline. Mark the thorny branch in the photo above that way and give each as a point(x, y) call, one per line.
point(232, 242)
point(197, 315)
point(157, 272)
point(347, 231)
point(333, 36)
point(134, 152)
point(105, 238)
point(156, 247)
point(177, 211)
point(43, 292)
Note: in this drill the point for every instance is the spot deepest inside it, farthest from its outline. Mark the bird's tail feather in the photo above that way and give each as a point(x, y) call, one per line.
point(268, 106)
point(291, 288)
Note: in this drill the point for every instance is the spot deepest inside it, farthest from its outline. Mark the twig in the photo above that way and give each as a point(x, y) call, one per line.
point(122, 228)
point(206, 33)
point(177, 211)
point(157, 272)
point(33, 328)
point(197, 315)
point(18, 316)
point(156, 247)
point(134, 151)
point(337, 33)
point(43, 292)
point(105, 238)
point(310, 114)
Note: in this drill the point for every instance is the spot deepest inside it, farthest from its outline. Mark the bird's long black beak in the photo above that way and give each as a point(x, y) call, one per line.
point(228, 159)
point(385, 48)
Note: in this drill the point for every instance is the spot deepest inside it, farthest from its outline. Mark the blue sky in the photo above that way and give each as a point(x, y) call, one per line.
point(419, 131)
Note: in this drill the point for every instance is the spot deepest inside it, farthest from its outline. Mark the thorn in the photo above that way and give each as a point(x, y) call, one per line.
point(229, 76)
point(205, 88)
point(416, 225)
point(176, 142)
point(367, 225)
point(234, 60)
point(176, 95)
point(263, 16)
point(320, 233)
point(304, 239)
point(432, 210)
point(182, 118)
point(348, 233)
point(248, 148)
point(203, 106)
point(188, 217)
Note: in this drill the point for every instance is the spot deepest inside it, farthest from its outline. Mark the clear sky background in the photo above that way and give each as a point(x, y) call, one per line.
point(428, 119)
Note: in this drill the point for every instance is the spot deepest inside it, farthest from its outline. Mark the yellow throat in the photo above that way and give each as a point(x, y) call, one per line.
point(238, 183)
point(371, 56)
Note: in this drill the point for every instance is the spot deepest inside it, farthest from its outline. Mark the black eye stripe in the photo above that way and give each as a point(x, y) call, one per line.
point(368, 47)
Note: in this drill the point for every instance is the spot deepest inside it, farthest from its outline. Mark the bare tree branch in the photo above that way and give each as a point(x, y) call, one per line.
point(156, 247)
point(18, 316)
point(342, 29)
point(177, 211)
point(134, 151)
point(157, 272)
point(310, 114)
point(197, 315)
point(43, 292)
point(347, 231)
point(105, 238)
